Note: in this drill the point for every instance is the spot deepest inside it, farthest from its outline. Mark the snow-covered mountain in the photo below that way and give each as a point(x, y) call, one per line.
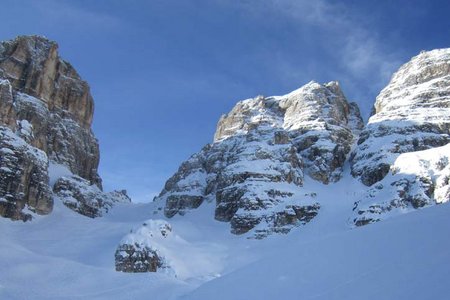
point(403, 151)
point(294, 176)
point(254, 170)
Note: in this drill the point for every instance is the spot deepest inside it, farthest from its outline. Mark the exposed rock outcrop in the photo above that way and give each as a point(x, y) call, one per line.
point(138, 251)
point(46, 105)
point(254, 169)
point(36, 85)
point(79, 195)
point(23, 178)
point(403, 152)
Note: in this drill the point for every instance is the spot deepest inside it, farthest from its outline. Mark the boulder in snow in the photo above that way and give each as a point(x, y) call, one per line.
point(139, 252)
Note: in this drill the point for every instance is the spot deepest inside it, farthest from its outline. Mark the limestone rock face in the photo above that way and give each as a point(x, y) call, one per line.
point(403, 152)
point(36, 85)
point(254, 170)
point(23, 178)
point(411, 114)
point(139, 251)
point(47, 106)
point(32, 66)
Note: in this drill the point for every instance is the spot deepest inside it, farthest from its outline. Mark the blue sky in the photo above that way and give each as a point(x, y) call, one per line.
point(162, 72)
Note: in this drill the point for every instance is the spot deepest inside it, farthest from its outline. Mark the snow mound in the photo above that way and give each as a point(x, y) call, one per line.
point(154, 247)
point(139, 251)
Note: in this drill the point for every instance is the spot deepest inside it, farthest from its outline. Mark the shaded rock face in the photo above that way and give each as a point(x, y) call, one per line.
point(411, 114)
point(137, 259)
point(403, 152)
point(23, 178)
point(139, 251)
point(46, 106)
point(254, 170)
point(79, 195)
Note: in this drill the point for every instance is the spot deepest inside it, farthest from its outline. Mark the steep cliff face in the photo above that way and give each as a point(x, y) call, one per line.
point(33, 66)
point(41, 88)
point(254, 169)
point(23, 178)
point(412, 114)
point(47, 106)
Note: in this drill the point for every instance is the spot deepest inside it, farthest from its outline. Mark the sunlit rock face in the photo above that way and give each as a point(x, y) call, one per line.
point(262, 149)
point(46, 91)
point(45, 104)
point(411, 115)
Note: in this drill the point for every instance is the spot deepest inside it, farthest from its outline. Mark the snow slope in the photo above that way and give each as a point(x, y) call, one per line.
point(403, 258)
point(69, 256)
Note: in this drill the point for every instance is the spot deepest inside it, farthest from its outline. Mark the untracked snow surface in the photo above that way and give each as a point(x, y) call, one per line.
point(68, 256)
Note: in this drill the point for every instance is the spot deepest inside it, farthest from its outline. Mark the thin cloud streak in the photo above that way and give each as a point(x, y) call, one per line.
point(64, 12)
point(357, 57)
point(358, 48)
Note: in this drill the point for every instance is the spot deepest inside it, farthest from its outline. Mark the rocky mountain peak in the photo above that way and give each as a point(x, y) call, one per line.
point(32, 65)
point(254, 169)
point(427, 67)
point(311, 103)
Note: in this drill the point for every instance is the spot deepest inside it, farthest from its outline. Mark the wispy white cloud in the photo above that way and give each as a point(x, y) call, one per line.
point(358, 49)
point(68, 14)
point(358, 54)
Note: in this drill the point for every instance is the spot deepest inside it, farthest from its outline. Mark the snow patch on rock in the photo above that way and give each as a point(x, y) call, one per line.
point(415, 180)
